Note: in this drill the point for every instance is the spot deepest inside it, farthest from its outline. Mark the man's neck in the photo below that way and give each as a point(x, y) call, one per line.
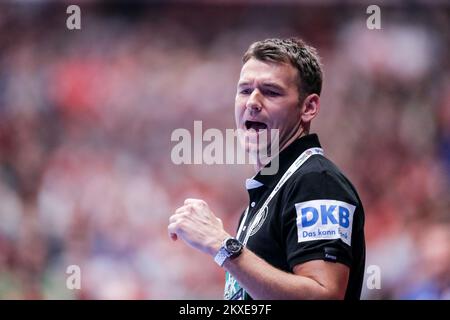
point(259, 165)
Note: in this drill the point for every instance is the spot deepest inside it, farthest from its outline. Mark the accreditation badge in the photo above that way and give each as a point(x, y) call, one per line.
point(233, 290)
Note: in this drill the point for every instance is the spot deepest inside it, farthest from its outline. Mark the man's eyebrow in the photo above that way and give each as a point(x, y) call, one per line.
point(272, 85)
point(264, 84)
point(243, 83)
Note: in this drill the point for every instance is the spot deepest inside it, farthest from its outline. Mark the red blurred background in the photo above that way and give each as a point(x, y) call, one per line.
point(86, 118)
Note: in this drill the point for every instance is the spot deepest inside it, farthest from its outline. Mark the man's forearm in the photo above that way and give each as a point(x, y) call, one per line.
point(263, 281)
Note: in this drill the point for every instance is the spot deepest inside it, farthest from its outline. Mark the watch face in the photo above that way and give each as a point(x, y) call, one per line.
point(233, 245)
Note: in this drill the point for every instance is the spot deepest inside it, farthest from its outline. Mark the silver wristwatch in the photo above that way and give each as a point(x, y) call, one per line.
point(230, 249)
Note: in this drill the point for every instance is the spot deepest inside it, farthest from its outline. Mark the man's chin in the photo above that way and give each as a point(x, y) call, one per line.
point(257, 144)
point(254, 138)
point(257, 149)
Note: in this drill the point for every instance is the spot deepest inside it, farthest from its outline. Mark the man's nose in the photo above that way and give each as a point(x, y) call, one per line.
point(254, 101)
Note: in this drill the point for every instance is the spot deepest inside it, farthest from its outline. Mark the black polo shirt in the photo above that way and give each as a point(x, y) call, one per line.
point(317, 214)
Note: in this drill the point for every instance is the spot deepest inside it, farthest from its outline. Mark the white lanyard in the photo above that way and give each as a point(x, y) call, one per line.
point(294, 167)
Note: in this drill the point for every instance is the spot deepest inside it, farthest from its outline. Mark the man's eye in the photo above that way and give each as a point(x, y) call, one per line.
point(272, 93)
point(245, 91)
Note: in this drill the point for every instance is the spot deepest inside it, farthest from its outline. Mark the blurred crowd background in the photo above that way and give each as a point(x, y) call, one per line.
point(86, 118)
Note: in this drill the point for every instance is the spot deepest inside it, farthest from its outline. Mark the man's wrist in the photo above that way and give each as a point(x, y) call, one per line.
point(231, 248)
point(217, 244)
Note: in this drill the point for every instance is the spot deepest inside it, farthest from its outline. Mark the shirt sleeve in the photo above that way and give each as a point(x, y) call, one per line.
point(318, 218)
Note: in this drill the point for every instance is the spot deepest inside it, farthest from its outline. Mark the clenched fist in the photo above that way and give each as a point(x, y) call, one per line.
point(197, 225)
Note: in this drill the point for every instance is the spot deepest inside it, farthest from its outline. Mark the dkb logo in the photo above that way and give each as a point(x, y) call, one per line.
point(324, 219)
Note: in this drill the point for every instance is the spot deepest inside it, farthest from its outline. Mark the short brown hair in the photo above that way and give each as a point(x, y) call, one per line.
point(296, 52)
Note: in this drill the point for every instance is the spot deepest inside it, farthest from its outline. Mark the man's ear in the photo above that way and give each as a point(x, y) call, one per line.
point(310, 107)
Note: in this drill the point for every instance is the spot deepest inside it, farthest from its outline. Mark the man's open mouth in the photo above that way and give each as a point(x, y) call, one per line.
point(255, 125)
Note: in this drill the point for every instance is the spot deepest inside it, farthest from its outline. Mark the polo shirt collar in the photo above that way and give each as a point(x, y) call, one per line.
point(287, 157)
point(252, 184)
